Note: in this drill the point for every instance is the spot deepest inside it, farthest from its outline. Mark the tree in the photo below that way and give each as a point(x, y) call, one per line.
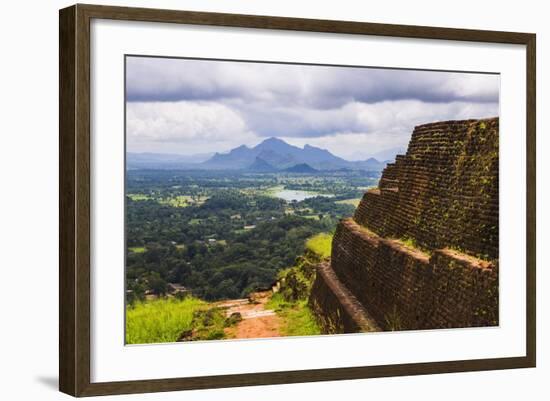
point(157, 284)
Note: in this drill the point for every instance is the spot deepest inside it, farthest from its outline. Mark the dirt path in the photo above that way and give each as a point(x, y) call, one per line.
point(257, 322)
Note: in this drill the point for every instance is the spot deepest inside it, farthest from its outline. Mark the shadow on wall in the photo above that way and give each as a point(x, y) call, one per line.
point(50, 382)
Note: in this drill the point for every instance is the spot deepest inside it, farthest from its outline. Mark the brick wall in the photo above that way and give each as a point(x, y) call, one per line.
point(443, 192)
point(422, 249)
point(403, 288)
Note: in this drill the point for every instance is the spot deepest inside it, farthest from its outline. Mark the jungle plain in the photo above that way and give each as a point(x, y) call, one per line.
point(197, 237)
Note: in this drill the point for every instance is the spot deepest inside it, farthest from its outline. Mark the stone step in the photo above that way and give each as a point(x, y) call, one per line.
point(346, 299)
point(256, 314)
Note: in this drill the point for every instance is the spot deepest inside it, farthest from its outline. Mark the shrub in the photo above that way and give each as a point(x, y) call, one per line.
point(321, 244)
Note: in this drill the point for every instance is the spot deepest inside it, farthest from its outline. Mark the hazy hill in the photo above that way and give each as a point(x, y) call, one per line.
point(281, 155)
point(261, 166)
point(271, 155)
point(302, 168)
point(163, 160)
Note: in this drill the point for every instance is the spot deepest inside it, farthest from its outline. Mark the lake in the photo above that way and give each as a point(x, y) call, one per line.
point(293, 195)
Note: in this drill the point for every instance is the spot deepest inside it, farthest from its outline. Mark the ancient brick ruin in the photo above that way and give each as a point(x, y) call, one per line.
point(421, 251)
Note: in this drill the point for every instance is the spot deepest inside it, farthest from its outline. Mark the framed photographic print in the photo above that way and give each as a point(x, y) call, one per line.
point(250, 200)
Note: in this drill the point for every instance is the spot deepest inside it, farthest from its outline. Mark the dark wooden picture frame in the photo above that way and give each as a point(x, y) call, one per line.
point(74, 203)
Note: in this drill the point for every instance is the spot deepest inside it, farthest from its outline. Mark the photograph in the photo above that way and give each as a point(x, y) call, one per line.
point(269, 199)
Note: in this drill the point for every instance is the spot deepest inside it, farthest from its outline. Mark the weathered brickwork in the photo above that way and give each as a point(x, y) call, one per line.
point(422, 249)
point(338, 310)
point(403, 288)
point(443, 192)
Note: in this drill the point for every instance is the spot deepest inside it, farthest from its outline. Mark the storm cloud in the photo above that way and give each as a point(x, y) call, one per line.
point(177, 104)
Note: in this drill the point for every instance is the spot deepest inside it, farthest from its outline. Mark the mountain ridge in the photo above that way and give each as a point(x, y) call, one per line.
point(270, 155)
point(282, 156)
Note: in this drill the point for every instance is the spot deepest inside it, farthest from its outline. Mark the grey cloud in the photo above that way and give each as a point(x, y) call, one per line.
point(161, 79)
point(208, 104)
point(354, 117)
point(376, 85)
point(300, 121)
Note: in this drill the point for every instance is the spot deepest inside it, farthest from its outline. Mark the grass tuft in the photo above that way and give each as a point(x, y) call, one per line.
point(321, 244)
point(137, 249)
point(297, 318)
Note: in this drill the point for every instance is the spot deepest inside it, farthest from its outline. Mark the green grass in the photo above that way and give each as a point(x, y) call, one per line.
point(354, 202)
point(321, 244)
point(160, 320)
point(139, 197)
point(296, 317)
point(271, 191)
point(183, 200)
point(174, 201)
point(137, 249)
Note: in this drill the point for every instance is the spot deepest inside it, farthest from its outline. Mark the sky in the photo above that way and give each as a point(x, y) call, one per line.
point(189, 106)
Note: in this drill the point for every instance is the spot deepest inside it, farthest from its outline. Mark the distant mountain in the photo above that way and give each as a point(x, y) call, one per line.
point(302, 168)
point(261, 166)
point(280, 155)
point(389, 154)
point(371, 164)
point(273, 151)
point(277, 159)
point(276, 145)
point(163, 160)
point(271, 155)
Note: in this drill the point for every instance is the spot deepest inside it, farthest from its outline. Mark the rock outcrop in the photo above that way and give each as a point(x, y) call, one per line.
point(421, 251)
